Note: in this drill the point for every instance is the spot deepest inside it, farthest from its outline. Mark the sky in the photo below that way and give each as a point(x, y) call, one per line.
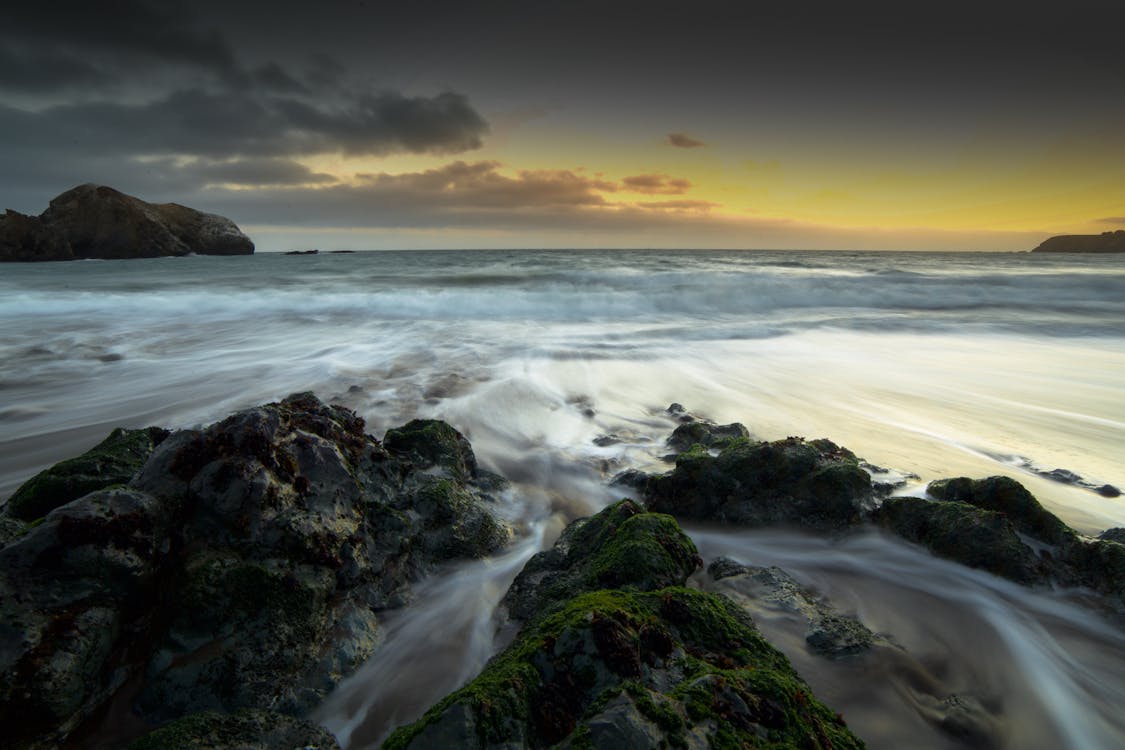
point(371, 125)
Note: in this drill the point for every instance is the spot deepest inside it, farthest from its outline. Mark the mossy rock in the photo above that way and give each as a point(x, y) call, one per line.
point(1007, 496)
point(456, 523)
point(431, 442)
point(970, 535)
point(706, 434)
point(113, 461)
point(622, 547)
point(250, 729)
point(814, 484)
point(684, 662)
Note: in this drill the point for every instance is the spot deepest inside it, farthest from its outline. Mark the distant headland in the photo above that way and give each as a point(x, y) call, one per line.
point(95, 221)
point(1106, 242)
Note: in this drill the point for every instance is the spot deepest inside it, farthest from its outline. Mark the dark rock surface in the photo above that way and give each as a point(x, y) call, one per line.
point(622, 547)
point(1106, 242)
point(244, 566)
point(1113, 535)
point(997, 525)
point(814, 484)
point(248, 729)
point(27, 238)
point(829, 632)
point(649, 664)
point(113, 461)
point(973, 536)
point(1008, 497)
point(706, 434)
point(95, 221)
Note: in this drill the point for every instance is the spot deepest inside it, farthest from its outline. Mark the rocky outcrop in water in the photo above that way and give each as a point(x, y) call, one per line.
point(615, 652)
point(829, 632)
point(95, 221)
point(997, 525)
point(1106, 242)
point(815, 484)
point(993, 524)
point(242, 566)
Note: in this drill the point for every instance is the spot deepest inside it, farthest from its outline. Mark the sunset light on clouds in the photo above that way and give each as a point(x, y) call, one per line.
point(575, 125)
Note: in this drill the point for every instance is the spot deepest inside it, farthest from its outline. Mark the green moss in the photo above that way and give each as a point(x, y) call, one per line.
point(505, 698)
point(249, 728)
point(970, 535)
point(220, 591)
point(430, 442)
point(1007, 496)
point(621, 547)
point(816, 484)
point(113, 461)
point(647, 551)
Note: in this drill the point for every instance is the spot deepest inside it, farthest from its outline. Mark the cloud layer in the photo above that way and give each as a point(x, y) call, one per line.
point(149, 99)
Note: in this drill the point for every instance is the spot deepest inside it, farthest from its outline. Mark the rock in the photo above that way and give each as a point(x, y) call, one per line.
point(248, 729)
point(1009, 497)
point(623, 547)
point(705, 434)
point(429, 442)
point(965, 531)
point(77, 589)
point(632, 478)
point(814, 484)
point(650, 664)
point(1108, 490)
point(970, 535)
point(244, 566)
point(26, 238)
point(1113, 535)
point(829, 633)
point(95, 221)
point(113, 461)
point(1106, 242)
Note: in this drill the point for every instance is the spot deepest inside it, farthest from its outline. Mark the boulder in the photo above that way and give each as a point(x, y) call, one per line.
point(617, 653)
point(95, 221)
point(815, 484)
point(1007, 496)
point(113, 461)
point(973, 536)
point(244, 565)
point(997, 525)
point(623, 547)
point(706, 434)
point(828, 633)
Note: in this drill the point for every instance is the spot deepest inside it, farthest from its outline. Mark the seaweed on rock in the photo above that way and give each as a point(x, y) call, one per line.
point(616, 651)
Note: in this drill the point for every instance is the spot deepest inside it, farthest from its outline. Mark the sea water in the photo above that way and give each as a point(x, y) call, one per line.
point(929, 364)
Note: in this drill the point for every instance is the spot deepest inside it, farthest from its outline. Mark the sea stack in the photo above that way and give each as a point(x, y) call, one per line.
point(95, 221)
point(1106, 242)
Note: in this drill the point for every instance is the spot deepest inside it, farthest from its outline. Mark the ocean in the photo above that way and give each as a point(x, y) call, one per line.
point(933, 365)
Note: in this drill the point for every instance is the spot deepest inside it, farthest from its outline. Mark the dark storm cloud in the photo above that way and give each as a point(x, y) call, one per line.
point(151, 95)
point(248, 172)
point(228, 123)
point(112, 37)
point(656, 184)
point(273, 77)
point(31, 70)
point(683, 140)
